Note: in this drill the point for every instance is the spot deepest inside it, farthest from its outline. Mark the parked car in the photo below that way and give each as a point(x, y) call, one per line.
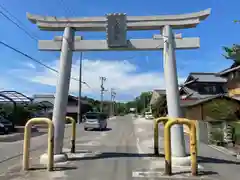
point(3, 129)
point(95, 120)
point(148, 115)
point(8, 125)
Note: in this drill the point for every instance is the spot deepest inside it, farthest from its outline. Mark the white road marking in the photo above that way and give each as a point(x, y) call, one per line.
point(140, 151)
point(90, 143)
point(57, 175)
point(77, 155)
point(139, 130)
point(147, 174)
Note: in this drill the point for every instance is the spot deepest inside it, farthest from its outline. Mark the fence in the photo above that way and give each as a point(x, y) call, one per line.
point(218, 132)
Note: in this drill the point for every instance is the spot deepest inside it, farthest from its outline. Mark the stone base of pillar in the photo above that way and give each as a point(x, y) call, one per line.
point(181, 161)
point(56, 158)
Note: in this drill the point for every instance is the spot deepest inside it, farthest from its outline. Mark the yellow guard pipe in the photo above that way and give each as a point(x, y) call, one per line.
point(167, 144)
point(155, 139)
point(27, 136)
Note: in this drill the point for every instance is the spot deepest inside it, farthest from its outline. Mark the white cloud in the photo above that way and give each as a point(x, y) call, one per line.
point(123, 76)
point(30, 65)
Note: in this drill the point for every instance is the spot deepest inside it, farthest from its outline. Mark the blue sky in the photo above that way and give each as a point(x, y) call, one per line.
point(128, 72)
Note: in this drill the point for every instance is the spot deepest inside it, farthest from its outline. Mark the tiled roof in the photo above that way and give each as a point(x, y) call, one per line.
point(228, 70)
point(160, 91)
point(194, 94)
point(207, 77)
point(199, 101)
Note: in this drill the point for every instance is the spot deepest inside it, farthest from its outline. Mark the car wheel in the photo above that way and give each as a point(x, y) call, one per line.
point(85, 129)
point(6, 131)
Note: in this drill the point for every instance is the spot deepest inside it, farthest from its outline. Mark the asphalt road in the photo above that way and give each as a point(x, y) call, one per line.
point(123, 152)
point(11, 151)
point(110, 154)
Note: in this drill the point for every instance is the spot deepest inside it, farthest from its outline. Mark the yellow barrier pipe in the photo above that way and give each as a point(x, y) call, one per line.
point(193, 149)
point(27, 136)
point(167, 144)
point(73, 141)
point(155, 139)
point(167, 148)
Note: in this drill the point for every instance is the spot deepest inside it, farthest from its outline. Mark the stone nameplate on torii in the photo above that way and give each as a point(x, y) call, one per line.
point(116, 30)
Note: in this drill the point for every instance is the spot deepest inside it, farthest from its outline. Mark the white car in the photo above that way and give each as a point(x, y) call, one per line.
point(148, 115)
point(95, 120)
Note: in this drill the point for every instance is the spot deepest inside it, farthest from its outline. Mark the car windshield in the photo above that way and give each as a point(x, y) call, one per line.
point(92, 116)
point(4, 121)
point(148, 113)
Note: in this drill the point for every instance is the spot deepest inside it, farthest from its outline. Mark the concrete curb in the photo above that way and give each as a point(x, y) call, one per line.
point(223, 150)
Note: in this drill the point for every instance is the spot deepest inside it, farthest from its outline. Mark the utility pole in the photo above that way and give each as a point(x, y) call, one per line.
point(79, 115)
point(103, 79)
point(112, 109)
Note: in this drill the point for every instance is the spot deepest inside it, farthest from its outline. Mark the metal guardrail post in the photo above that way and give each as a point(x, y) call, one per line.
point(167, 144)
point(73, 140)
point(27, 136)
point(155, 140)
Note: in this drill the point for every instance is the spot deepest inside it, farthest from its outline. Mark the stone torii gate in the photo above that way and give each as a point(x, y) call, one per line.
point(116, 27)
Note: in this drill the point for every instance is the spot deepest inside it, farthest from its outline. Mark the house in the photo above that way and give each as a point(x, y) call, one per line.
point(72, 107)
point(156, 94)
point(232, 76)
point(199, 85)
point(215, 107)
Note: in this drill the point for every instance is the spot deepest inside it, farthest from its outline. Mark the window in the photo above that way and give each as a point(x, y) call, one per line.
point(211, 89)
point(208, 89)
point(92, 116)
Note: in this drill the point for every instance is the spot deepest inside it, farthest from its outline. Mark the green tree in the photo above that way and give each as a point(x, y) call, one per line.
point(143, 101)
point(222, 110)
point(233, 53)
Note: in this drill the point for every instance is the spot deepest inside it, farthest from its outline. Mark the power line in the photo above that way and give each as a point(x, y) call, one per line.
point(34, 59)
point(34, 37)
point(7, 17)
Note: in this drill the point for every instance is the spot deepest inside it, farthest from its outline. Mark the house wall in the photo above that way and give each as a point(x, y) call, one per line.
point(193, 112)
point(234, 87)
point(154, 98)
point(207, 111)
point(40, 98)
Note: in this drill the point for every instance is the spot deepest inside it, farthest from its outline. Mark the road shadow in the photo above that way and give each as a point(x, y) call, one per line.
point(61, 168)
point(202, 159)
point(107, 129)
point(106, 155)
point(200, 173)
